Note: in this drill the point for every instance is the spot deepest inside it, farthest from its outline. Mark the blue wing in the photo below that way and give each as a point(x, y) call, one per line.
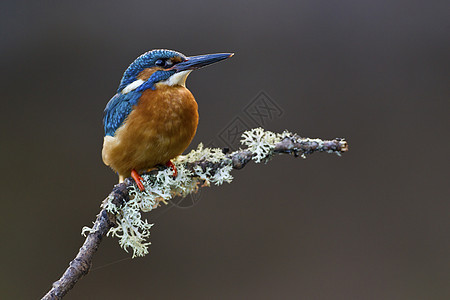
point(118, 109)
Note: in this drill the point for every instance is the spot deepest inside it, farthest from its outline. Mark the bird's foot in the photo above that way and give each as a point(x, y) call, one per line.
point(138, 179)
point(170, 164)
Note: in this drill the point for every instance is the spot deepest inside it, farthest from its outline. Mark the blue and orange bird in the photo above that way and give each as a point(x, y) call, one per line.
point(153, 117)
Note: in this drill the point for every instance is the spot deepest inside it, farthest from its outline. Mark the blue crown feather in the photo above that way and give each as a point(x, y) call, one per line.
point(146, 60)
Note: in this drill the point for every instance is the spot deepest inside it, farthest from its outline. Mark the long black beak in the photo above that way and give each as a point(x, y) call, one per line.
point(197, 62)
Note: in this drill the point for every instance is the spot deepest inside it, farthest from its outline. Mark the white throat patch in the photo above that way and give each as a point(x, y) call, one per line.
point(178, 78)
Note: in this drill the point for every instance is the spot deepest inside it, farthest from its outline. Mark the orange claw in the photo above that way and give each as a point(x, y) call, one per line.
point(170, 164)
point(138, 179)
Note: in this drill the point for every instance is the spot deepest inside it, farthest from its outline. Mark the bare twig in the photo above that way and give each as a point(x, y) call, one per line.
point(82, 263)
point(80, 266)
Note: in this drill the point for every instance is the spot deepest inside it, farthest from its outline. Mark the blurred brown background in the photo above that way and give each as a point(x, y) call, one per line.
point(373, 224)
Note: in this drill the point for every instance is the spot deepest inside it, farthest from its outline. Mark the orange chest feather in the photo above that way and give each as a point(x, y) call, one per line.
point(160, 127)
point(165, 111)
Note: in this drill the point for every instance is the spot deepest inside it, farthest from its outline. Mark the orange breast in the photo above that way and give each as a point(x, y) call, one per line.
point(160, 127)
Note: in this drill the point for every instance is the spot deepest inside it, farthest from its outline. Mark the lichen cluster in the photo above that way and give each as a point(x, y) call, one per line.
point(262, 142)
point(133, 231)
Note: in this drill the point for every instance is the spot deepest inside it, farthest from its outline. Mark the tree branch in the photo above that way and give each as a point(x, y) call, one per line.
point(286, 144)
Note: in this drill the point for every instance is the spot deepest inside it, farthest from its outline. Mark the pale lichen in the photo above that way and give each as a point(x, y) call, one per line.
point(133, 231)
point(260, 142)
point(213, 155)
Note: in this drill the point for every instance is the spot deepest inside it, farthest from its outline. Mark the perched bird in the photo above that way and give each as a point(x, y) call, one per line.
point(153, 117)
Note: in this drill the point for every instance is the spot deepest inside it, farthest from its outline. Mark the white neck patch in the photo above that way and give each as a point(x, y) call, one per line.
point(132, 86)
point(178, 78)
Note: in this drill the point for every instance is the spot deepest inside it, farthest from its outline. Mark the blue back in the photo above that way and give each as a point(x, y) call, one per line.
point(118, 109)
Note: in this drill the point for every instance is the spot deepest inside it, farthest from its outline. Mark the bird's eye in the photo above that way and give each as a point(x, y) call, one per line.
point(164, 63)
point(168, 64)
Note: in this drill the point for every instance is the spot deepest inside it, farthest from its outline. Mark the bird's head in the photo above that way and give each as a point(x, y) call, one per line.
point(163, 67)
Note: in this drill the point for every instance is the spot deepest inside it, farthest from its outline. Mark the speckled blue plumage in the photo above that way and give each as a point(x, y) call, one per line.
point(117, 110)
point(154, 78)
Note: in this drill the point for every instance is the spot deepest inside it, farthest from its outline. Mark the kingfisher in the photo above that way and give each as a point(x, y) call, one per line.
point(153, 117)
